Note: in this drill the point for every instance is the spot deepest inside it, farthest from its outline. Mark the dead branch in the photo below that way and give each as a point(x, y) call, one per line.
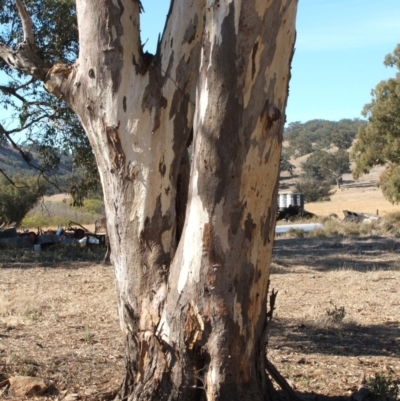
point(4, 383)
point(281, 381)
point(4, 174)
point(12, 91)
point(272, 300)
point(26, 157)
point(79, 225)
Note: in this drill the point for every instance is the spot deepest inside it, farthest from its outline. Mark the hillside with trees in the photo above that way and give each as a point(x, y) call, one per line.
point(58, 173)
point(12, 163)
point(305, 138)
point(323, 146)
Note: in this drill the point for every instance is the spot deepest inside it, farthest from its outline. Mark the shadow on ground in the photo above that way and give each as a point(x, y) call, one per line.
point(356, 253)
point(342, 339)
point(69, 256)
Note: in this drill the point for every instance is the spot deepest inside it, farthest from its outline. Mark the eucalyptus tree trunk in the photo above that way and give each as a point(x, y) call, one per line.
point(191, 256)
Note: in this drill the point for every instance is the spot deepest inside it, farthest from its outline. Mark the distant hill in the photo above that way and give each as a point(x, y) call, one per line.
point(305, 138)
point(13, 164)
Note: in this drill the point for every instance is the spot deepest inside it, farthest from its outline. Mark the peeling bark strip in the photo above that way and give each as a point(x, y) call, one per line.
point(115, 147)
point(191, 287)
point(194, 326)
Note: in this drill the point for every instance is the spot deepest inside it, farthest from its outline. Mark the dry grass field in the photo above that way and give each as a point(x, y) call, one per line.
point(338, 312)
point(337, 316)
point(58, 320)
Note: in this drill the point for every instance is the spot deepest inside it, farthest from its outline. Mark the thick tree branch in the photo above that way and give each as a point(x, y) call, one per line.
point(12, 91)
point(5, 175)
point(24, 57)
point(26, 24)
point(29, 125)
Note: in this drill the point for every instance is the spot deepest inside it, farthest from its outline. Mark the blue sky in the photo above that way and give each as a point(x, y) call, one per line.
point(339, 54)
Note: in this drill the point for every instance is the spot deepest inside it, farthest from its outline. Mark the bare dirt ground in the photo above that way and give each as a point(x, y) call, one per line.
point(315, 353)
point(60, 323)
point(58, 318)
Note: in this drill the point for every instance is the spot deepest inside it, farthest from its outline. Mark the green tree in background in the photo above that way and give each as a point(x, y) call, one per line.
point(326, 166)
point(17, 198)
point(378, 143)
point(312, 166)
point(314, 190)
point(285, 163)
point(334, 165)
point(43, 121)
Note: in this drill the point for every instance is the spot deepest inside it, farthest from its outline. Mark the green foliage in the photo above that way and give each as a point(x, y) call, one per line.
point(307, 137)
point(312, 166)
point(334, 165)
point(390, 184)
point(93, 206)
point(285, 163)
point(384, 386)
point(54, 214)
point(17, 199)
point(378, 143)
point(48, 125)
point(325, 166)
point(314, 190)
point(53, 255)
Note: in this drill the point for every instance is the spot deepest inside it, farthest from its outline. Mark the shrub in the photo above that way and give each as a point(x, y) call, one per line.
point(93, 206)
point(390, 184)
point(314, 190)
point(336, 315)
point(295, 233)
point(17, 199)
point(54, 214)
point(383, 386)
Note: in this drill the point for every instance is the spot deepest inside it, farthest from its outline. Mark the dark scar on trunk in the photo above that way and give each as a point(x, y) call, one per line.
point(115, 147)
point(253, 59)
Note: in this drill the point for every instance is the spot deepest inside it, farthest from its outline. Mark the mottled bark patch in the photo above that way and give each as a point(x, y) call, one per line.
point(153, 97)
point(249, 226)
point(191, 30)
point(182, 189)
point(162, 168)
point(208, 243)
point(150, 240)
point(117, 153)
point(268, 221)
point(113, 53)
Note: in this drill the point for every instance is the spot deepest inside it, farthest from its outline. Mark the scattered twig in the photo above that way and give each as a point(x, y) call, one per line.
point(281, 381)
point(79, 225)
point(4, 383)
